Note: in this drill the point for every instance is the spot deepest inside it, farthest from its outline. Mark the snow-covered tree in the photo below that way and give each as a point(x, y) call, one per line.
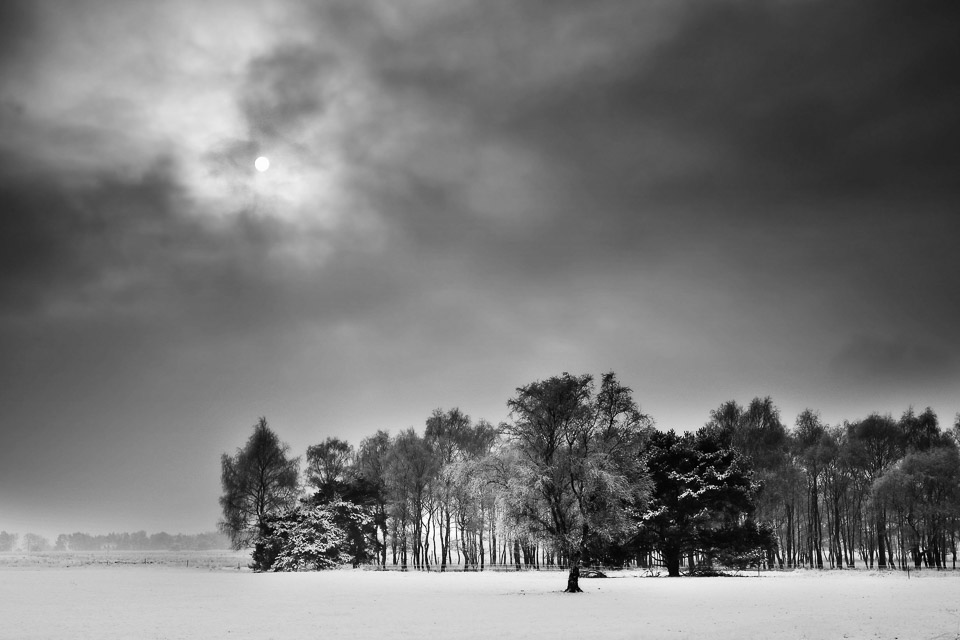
point(313, 539)
point(702, 501)
point(578, 469)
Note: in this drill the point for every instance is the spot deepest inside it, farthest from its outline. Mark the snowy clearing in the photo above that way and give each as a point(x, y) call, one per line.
point(156, 601)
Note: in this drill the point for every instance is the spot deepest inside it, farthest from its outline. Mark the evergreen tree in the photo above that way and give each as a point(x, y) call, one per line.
point(702, 501)
point(325, 536)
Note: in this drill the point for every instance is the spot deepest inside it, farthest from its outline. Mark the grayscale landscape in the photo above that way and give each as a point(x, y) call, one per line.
point(479, 318)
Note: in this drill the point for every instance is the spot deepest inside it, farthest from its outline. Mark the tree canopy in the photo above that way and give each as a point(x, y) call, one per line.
point(578, 467)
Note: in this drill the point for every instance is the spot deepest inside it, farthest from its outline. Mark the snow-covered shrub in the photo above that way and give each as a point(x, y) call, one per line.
point(309, 539)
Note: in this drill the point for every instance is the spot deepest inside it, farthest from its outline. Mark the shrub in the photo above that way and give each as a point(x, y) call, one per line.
point(310, 539)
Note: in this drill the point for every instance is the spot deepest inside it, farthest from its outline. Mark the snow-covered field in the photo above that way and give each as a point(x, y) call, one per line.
point(163, 601)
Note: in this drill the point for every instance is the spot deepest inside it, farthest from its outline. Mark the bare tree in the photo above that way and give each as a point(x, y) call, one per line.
point(327, 465)
point(411, 468)
point(371, 468)
point(877, 442)
point(258, 482)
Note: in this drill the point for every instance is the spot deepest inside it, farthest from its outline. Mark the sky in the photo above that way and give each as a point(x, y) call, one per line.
point(715, 200)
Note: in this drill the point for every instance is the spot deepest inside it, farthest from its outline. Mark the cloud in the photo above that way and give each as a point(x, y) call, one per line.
point(60, 240)
point(724, 199)
point(135, 247)
point(286, 88)
point(774, 155)
point(794, 99)
point(609, 124)
point(516, 147)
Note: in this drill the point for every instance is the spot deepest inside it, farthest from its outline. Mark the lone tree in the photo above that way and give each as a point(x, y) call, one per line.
point(579, 469)
point(260, 481)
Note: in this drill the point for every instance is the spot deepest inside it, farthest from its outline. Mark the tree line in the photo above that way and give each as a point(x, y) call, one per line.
point(579, 476)
point(141, 541)
point(136, 541)
point(879, 492)
point(29, 542)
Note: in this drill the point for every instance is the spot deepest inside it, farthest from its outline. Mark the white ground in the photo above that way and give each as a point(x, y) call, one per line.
point(155, 601)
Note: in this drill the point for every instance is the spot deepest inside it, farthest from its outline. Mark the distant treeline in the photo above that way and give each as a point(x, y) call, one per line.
point(137, 541)
point(140, 541)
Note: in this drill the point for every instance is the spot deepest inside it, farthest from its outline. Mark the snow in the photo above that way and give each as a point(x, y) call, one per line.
point(158, 601)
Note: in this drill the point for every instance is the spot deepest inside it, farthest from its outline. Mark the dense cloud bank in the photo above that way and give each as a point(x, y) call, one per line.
point(715, 199)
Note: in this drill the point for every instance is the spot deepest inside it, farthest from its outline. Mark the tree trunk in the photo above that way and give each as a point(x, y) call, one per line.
point(816, 525)
point(445, 537)
point(953, 544)
point(671, 557)
point(493, 538)
point(881, 555)
point(383, 553)
point(573, 579)
point(790, 541)
point(836, 531)
point(480, 545)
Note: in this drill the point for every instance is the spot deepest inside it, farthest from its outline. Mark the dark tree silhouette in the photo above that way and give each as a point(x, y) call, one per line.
point(370, 471)
point(702, 501)
point(876, 443)
point(328, 464)
point(259, 481)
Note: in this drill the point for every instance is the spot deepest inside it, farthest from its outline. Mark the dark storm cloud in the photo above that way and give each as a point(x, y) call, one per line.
point(816, 142)
point(57, 240)
point(536, 142)
point(794, 163)
point(134, 246)
point(845, 97)
point(775, 100)
point(711, 198)
point(742, 103)
point(457, 182)
point(784, 100)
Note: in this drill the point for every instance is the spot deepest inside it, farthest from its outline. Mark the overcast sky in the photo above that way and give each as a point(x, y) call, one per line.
point(716, 200)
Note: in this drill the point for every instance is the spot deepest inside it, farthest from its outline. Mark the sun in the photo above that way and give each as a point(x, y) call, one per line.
point(262, 163)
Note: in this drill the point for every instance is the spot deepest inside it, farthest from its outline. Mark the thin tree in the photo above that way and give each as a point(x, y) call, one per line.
point(447, 434)
point(327, 466)
point(411, 468)
point(814, 453)
point(259, 481)
point(876, 443)
point(371, 469)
